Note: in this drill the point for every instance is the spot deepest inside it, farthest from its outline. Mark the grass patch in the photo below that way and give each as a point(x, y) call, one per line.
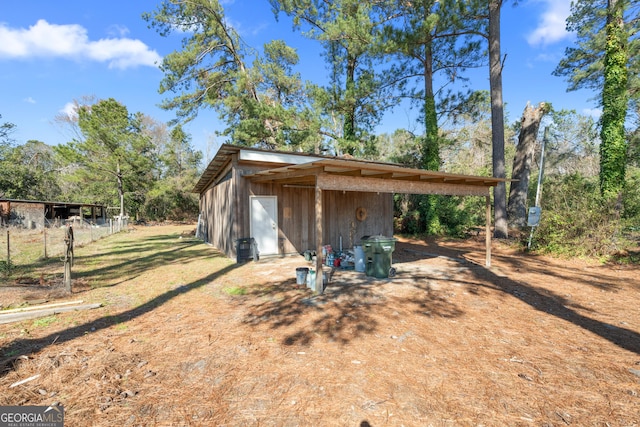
point(12, 353)
point(626, 257)
point(44, 321)
point(235, 290)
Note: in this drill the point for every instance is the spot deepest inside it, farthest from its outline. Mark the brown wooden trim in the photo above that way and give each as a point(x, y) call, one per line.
point(377, 185)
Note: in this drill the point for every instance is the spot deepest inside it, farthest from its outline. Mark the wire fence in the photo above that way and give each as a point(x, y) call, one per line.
point(23, 247)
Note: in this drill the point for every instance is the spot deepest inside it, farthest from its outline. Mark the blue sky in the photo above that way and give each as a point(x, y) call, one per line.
point(54, 52)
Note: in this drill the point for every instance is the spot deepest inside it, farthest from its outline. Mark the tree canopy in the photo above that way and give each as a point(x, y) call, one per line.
point(112, 154)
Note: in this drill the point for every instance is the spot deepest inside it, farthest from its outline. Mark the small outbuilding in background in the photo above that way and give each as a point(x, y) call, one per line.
point(38, 213)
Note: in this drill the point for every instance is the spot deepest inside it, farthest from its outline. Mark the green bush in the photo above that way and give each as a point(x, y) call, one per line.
point(437, 215)
point(169, 202)
point(576, 221)
point(4, 267)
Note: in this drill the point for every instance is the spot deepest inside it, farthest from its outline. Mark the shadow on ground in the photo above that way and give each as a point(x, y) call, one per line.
point(130, 267)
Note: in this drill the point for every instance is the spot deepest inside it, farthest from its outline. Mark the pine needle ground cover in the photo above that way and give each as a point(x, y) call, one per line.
point(187, 337)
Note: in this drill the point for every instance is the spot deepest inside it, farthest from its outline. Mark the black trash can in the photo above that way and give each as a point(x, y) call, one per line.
point(246, 249)
point(377, 251)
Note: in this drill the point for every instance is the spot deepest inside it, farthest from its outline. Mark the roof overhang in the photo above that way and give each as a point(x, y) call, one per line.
point(341, 174)
point(251, 155)
point(354, 175)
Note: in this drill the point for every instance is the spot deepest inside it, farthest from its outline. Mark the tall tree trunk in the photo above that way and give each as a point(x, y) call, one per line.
point(430, 143)
point(613, 147)
point(349, 129)
point(120, 190)
point(501, 229)
point(430, 146)
point(530, 124)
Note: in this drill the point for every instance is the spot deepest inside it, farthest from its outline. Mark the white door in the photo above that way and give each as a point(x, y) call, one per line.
point(264, 223)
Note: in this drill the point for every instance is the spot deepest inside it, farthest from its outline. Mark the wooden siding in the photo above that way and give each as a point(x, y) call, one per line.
point(217, 208)
point(296, 216)
point(340, 216)
point(225, 209)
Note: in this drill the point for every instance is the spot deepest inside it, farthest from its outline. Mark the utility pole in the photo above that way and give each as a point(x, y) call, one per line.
point(536, 211)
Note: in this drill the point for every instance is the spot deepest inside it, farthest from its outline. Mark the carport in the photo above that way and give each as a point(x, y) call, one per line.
point(338, 174)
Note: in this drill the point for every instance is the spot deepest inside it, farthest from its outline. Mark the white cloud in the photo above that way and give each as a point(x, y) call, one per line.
point(592, 112)
point(70, 109)
point(44, 40)
point(549, 57)
point(552, 23)
point(29, 100)
point(117, 31)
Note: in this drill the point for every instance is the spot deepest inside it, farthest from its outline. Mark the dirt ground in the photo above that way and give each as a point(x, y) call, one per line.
point(187, 337)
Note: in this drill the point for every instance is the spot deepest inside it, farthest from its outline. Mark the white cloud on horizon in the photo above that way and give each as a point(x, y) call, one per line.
point(552, 24)
point(44, 40)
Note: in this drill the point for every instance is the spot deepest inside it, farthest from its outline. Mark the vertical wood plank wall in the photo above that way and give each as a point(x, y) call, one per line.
point(296, 216)
point(225, 208)
point(340, 216)
point(216, 205)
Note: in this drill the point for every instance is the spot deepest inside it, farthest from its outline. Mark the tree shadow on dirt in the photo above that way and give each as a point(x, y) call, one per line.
point(526, 262)
point(555, 305)
point(311, 316)
point(122, 269)
point(349, 309)
point(117, 265)
point(23, 347)
point(540, 299)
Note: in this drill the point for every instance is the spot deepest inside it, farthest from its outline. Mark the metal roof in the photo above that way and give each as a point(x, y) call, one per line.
point(50, 202)
point(215, 166)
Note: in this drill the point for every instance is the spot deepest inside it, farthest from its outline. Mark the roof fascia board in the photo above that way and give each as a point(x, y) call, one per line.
point(275, 157)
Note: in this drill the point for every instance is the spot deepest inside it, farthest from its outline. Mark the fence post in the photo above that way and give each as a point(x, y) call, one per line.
point(44, 232)
point(68, 258)
point(8, 255)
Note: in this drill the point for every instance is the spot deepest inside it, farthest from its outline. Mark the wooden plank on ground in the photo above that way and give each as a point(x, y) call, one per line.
point(34, 314)
point(38, 307)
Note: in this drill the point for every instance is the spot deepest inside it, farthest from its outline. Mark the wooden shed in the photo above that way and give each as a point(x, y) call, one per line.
point(292, 202)
point(39, 213)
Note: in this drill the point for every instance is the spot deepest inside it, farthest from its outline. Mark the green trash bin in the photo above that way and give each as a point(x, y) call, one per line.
point(377, 253)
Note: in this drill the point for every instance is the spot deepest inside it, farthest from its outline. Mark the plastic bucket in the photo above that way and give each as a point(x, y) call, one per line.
point(359, 255)
point(311, 279)
point(301, 275)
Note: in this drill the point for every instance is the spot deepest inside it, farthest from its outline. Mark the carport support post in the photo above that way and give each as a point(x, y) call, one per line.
point(318, 286)
point(488, 231)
